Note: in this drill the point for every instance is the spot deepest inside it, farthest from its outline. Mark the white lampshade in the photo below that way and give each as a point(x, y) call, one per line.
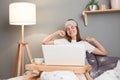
point(22, 13)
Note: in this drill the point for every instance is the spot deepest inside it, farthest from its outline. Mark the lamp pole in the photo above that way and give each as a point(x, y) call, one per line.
point(22, 33)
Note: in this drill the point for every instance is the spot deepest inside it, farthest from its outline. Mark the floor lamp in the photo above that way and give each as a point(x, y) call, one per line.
point(21, 13)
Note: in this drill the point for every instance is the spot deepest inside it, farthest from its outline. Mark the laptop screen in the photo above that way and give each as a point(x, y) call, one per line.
point(64, 54)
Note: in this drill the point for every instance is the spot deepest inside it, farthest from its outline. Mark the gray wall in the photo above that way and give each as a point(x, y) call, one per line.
point(51, 15)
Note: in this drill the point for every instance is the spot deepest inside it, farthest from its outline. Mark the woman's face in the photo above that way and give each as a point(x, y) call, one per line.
point(71, 31)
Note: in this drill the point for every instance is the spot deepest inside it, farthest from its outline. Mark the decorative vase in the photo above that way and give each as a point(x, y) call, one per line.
point(102, 7)
point(115, 4)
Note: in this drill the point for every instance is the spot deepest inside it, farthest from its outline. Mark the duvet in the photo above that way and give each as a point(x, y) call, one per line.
point(113, 74)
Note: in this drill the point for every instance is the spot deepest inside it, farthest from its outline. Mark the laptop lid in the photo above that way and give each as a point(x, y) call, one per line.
point(64, 54)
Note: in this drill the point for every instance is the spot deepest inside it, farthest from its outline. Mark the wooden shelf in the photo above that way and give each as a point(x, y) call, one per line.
point(97, 11)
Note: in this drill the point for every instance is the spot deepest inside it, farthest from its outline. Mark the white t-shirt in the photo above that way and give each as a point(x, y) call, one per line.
point(88, 47)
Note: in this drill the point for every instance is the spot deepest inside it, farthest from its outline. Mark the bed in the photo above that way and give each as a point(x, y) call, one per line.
point(103, 68)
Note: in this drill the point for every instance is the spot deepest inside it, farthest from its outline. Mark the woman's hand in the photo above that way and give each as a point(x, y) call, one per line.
point(90, 39)
point(60, 32)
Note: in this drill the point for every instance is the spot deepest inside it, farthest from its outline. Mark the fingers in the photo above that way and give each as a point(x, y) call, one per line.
point(61, 33)
point(89, 39)
point(86, 39)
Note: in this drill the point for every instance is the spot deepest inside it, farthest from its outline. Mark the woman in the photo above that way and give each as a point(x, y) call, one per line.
point(71, 35)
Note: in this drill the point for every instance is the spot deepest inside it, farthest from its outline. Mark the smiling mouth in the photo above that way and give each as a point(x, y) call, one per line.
point(71, 32)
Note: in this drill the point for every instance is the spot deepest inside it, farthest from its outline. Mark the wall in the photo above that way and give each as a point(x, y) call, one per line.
point(51, 15)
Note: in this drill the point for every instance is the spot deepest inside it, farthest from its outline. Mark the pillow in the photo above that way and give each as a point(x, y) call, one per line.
point(106, 60)
point(93, 62)
point(100, 63)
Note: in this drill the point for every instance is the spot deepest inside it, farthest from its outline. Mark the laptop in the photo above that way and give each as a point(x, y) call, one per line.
point(73, 55)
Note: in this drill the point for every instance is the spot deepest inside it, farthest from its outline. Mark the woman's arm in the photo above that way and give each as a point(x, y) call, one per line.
point(51, 37)
point(99, 50)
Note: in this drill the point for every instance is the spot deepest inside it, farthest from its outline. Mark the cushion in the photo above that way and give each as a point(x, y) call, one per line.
point(100, 64)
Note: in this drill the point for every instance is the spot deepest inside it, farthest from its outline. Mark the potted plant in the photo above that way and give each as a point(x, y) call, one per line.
point(92, 5)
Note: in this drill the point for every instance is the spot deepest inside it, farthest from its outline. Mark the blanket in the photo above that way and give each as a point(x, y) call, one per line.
point(100, 64)
point(113, 74)
point(58, 75)
point(104, 68)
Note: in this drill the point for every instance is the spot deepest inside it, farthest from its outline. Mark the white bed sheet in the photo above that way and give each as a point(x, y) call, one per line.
point(58, 75)
point(109, 75)
point(113, 74)
point(17, 78)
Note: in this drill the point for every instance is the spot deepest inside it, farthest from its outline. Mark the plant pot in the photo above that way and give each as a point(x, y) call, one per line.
point(93, 7)
point(115, 4)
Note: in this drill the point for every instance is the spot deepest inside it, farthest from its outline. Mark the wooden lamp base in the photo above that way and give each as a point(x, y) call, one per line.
point(19, 61)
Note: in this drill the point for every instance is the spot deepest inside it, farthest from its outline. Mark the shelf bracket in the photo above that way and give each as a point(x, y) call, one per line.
point(85, 13)
point(85, 18)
